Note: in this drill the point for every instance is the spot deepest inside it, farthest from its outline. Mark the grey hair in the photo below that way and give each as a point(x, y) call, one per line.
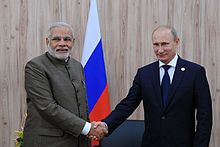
point(59, 24)
point(172, 30)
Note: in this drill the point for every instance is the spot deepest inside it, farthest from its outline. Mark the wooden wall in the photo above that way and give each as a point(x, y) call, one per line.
point(126, 27)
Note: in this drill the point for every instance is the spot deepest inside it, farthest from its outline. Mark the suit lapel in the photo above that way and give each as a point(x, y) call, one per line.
point(177, 78)
point(156, 83)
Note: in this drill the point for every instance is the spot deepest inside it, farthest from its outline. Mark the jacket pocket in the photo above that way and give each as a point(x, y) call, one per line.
point(50, 132)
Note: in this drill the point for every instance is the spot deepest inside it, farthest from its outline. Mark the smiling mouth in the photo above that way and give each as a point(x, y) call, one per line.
point(62, 50)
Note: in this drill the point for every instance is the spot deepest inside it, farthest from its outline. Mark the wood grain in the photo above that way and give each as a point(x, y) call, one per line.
point(126, 27)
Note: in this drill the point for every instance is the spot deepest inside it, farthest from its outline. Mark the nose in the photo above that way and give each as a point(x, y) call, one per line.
point(62, 42)
point(160, 49)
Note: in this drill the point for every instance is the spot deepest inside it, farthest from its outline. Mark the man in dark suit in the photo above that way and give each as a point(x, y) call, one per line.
point(57, 111)
point(178, 114)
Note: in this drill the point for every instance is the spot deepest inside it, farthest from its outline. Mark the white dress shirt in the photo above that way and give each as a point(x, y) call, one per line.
point(86, 128)
point(171, 70)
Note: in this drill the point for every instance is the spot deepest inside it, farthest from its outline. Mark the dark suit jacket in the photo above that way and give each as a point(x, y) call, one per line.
point(174, 124)
point(56, 103)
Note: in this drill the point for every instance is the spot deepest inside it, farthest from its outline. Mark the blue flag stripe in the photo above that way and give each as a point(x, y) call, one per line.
point(95, 76)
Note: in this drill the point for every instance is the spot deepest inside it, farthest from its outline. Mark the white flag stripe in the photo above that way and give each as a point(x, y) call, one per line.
point(93, 34)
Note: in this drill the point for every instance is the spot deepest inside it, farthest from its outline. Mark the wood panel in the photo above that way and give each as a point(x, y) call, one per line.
point(126, 27)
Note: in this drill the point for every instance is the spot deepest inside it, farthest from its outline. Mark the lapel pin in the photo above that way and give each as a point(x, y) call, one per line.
point(183, 69)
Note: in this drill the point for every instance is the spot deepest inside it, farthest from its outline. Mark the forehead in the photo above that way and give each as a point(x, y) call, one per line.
point(61, 31)
point(162, 34)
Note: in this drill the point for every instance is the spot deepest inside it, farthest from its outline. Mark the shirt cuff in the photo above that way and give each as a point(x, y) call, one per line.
point(86, 128)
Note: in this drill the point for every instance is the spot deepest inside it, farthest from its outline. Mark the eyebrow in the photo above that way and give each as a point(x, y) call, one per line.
point(162, 43)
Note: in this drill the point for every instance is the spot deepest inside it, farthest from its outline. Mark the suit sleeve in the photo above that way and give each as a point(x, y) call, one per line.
point(39, 92)
point(126, 107)
point(204, 110)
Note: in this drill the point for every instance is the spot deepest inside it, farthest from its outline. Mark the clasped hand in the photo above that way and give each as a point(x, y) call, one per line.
point(98, 130)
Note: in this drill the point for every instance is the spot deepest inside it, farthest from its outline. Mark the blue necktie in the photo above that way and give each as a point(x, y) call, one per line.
point(165, 85)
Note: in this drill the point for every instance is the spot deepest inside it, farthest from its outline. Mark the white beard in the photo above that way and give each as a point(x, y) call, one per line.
point(61, 56)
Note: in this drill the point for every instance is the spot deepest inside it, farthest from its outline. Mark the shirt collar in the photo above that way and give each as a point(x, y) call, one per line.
point(172, 63)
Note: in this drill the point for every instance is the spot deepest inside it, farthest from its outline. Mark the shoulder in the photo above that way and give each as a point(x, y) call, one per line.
point(41, 60)
point(37, 60)
point(37, 64)
point(148, 70)
point(189, 64)
point(149, 67)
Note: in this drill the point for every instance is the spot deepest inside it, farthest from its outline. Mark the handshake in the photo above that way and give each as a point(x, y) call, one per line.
point(98, 130)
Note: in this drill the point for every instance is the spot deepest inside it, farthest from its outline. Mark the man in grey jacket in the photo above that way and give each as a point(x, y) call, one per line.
point(57, 110)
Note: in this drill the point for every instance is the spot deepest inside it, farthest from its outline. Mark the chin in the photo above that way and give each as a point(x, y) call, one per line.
point(163, 60)
point(62, 56)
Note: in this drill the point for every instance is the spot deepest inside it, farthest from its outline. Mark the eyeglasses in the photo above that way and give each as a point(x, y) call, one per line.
point(65, 39)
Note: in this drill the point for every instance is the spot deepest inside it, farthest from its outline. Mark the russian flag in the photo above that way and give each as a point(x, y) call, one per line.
point(94, 68)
